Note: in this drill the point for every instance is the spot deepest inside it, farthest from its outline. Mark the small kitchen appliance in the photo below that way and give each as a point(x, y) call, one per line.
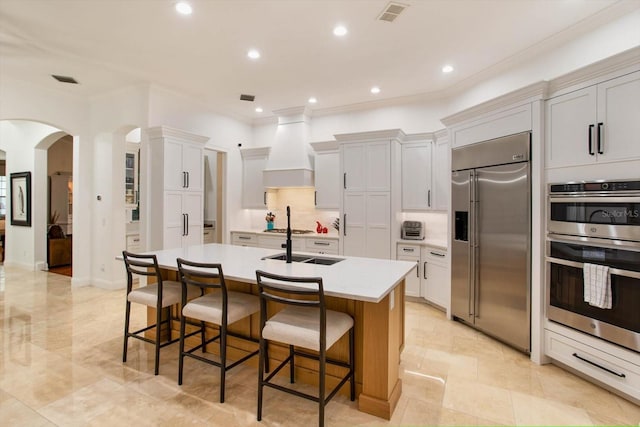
point(412, 230)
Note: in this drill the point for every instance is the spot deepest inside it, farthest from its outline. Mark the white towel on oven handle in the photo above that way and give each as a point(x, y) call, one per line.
point(597, 285)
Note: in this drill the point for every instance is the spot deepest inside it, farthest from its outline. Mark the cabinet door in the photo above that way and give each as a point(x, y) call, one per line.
point(327, 179)
point(619, 113)
point(416, 176)
point(354, 167)
point(570, 128)
point(253, 191)
point(173, 220)
point(353, 224)
point(131, 179)
point(174, 178)
point(441, 176)
point(412, 281)
point(436, 286)
point(192, 207)
point(193, 166)
point(378, 225)
point(378, 166)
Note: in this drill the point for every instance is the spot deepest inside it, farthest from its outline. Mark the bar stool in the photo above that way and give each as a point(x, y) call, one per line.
point(160, 295)
point(221, 307)
point(304, 322)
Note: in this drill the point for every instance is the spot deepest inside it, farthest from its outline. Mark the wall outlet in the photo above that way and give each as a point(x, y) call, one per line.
point(102, 267)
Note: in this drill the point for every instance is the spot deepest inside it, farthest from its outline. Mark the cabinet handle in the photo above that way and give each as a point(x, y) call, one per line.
point(408, 249)
point(424, 270)
point(244, 238)
point(184, 220)
point(418, 269)
point(186, 230)
point(264, 198)
point(600, 139)
point(436, 254)
point(590, 147)
point(187, 179)
point(618, 374)
point(344, 225)
point(136, 240)
point(429, 198)
point(344, 180)
point(321, 243)
point(315, 198)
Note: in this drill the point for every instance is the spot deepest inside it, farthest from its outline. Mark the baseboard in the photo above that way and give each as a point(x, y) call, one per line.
point(109, 284)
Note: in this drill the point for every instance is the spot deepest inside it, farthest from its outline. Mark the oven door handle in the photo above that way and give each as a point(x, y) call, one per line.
point(595, 199)
point(614, 271)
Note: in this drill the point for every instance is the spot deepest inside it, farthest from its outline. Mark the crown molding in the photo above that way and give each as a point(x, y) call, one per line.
point(169, 132)
point(324, 146)
point(386, 134)
point(255, 152)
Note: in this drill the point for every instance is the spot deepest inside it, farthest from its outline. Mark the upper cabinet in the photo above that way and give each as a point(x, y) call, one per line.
point(327, 175)
point(131, 175)
point(366, 166)
point(417, 191)
point(183, 165)
point(595, 124)
point(254, 160)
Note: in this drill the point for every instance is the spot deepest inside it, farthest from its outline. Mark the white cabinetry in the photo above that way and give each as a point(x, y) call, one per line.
point(277, 242)
point(436, 282)
point(133, 243)
point(412, 281)
point(321, 245)
point(131, 167)
point(208, 235)
point(441, 185)
point(254, 160)
point(366, 161)
point(175, 210)
point(595, 124)
point(327, 175)
point(416, 176)
point(244, 239)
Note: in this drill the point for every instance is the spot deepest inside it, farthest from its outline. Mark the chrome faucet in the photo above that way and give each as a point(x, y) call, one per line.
point(287, 245)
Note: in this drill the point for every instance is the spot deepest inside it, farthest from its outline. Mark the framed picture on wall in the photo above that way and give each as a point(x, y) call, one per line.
point(21, 199)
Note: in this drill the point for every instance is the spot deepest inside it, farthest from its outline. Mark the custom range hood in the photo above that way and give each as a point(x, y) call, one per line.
point(290, 158)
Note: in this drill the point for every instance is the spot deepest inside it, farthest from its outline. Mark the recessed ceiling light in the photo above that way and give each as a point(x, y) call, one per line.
point(312, 100)
point(340, 30)
point(253, 54)
point(375, 89)
point(258, 109)
point(184, 8)
point(447, 69)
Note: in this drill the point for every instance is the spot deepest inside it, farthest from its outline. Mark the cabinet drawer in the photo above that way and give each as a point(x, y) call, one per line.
point(436, 256)
point(133, 242)
point(208, 235)
point(408, 250)
point(276, 242)
point(604, 367)
point(322, 246)
point(244, 239)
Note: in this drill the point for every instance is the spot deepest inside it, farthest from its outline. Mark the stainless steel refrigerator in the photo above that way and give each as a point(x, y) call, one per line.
point(490, 248)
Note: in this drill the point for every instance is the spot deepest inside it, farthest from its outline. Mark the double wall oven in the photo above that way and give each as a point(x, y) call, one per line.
point(595, 223)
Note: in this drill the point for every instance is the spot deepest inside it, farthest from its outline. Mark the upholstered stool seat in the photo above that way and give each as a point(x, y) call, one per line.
point(303, 323)
point(161, 295)
point(218, 306)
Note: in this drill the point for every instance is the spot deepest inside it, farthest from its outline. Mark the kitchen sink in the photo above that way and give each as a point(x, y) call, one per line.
point(309, 259)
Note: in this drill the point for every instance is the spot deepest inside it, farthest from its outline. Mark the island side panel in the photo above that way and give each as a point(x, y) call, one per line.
point(383, 339)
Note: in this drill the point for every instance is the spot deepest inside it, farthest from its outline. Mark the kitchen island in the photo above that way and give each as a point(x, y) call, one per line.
point(370, 290)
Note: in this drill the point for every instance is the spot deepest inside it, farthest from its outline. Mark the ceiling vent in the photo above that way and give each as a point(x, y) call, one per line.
point(65, 79)
point(244, 97)
point(391, 11)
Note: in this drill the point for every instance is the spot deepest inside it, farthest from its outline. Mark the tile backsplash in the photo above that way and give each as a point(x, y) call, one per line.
point(303, 211)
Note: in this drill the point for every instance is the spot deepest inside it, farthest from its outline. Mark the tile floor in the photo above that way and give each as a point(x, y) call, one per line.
point(60, 364)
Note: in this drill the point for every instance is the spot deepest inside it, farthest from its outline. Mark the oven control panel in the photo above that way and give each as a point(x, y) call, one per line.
point(600, 186)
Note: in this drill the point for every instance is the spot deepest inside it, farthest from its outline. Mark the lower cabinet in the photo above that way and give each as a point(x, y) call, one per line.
point(208, 235)
point(321, 246)
point(276, 242)
point(316, 245)
point(244, 239)
point(615, 370)
point(183, 219)
point(435, 283)
point(412, 281)
point(133, 243)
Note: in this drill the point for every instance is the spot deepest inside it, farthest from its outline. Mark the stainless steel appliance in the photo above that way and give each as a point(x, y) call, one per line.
point(490, 249)
point(596, 223)
point(412, 230)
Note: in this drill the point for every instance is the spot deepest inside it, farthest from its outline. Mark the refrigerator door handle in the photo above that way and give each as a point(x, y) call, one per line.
point(472, 241)
point(476, 249)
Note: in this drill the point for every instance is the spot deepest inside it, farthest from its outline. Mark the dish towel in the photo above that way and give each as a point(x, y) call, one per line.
point(597, 285)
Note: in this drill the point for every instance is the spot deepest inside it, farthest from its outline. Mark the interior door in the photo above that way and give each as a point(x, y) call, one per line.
point(502, 241)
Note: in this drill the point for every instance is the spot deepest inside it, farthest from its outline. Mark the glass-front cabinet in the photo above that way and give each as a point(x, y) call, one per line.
point(131, 179)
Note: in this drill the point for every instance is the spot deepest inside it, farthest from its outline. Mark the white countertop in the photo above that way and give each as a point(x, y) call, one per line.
point(362, 279)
